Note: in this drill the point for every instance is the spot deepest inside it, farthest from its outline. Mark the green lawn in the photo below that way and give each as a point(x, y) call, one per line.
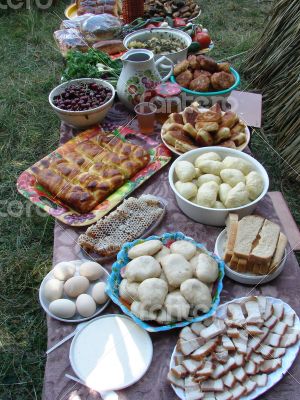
point(30, 66)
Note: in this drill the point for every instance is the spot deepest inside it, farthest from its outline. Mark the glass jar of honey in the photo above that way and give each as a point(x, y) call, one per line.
point(167, 100)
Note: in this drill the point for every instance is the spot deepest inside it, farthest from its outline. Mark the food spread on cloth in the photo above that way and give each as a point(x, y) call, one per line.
point(194, 127)
point(162, 282)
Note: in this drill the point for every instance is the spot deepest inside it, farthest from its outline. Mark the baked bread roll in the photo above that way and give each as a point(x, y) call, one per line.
point(110, 46)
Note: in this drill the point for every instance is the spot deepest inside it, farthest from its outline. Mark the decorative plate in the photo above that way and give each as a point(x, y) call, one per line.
point(29, 188)
point(167, 239)
point(246, 278)
point(240, 148)
point(274, 377)
point(77, 317)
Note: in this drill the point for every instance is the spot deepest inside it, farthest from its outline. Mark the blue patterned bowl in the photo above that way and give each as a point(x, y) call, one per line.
point(167, 239)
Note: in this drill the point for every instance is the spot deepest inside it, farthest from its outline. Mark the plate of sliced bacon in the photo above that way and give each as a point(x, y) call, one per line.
point(240, 353)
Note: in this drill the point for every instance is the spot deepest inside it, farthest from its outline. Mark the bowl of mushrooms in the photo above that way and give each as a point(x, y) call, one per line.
point(211, 182)
point(165, 282)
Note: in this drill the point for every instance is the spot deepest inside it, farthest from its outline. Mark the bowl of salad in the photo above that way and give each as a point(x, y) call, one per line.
point(169, 42)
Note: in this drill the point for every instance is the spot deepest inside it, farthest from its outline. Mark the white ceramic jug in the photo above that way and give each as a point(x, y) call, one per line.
point(140, 76)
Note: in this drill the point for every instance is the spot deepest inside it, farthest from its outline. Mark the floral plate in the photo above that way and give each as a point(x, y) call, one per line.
point(167, 239)
point(29, 188)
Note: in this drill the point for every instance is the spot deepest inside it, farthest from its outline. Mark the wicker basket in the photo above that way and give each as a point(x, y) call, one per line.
point(132, 9)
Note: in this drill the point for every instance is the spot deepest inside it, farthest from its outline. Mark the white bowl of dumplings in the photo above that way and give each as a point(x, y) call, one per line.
point(74, 291)
point(210, 182)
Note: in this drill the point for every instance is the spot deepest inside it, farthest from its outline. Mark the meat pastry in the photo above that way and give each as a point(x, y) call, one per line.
point(88, 173)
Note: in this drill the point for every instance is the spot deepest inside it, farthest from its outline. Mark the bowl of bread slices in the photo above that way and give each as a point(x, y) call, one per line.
point(209, 183)
point(253, 248)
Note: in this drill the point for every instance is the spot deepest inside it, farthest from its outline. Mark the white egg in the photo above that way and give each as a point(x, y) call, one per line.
point(64, 270)
point(63, 308)
point(91, 270)
point(98, 293)
point(76, 285)
point(85, 305)
point(53, 289)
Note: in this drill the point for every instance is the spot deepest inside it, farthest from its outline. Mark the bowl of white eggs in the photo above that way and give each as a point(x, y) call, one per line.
point(211, 182)
point(74, 291)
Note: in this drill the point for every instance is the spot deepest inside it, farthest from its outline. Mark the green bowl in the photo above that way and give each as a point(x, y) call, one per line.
point(209, 94)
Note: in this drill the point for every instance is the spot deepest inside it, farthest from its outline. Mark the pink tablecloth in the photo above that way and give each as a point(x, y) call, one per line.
point(153, 386)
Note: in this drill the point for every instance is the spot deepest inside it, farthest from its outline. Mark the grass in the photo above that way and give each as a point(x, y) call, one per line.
point(31, 66)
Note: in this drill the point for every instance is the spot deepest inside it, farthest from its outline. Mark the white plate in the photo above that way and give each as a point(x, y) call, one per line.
point(77, 317)
point(246, 277)
point(240, 148)
point(274, 377)
point(110, 353)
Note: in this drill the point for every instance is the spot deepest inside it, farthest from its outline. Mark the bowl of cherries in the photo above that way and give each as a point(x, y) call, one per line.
point(82, 102)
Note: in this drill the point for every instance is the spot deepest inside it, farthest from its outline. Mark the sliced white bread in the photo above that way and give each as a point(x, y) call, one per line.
point(247, 232)
point(279, 252)
point(266, 246)
point(231, 228)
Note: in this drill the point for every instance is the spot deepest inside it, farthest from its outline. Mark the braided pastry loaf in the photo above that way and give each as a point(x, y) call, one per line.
point(88, 172)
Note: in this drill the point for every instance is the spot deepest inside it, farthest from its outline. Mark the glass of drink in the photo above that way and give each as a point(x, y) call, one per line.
point(146, 117)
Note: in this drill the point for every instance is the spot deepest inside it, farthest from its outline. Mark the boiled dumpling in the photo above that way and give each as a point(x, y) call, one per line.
point(206, 270)
point(183, 247)
point(232, 176)
point(139, 310)
point(164, 251)
point(177, 306)
point(133, 290)
point(224, 189)
point(152, 293)
point(197, 294)
point(141, 268)
point(185, 171)
point(177, 269)
point(237, 197)
point(123, 292)
point(207, 194)
point(208, 156)
point(254, 184)
point(164, 278)
point(164, 318)
point(210, 166)
point(219, 205)
point(208, 178)
point(237, 163)
point(186, 189)
point(147, 248)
